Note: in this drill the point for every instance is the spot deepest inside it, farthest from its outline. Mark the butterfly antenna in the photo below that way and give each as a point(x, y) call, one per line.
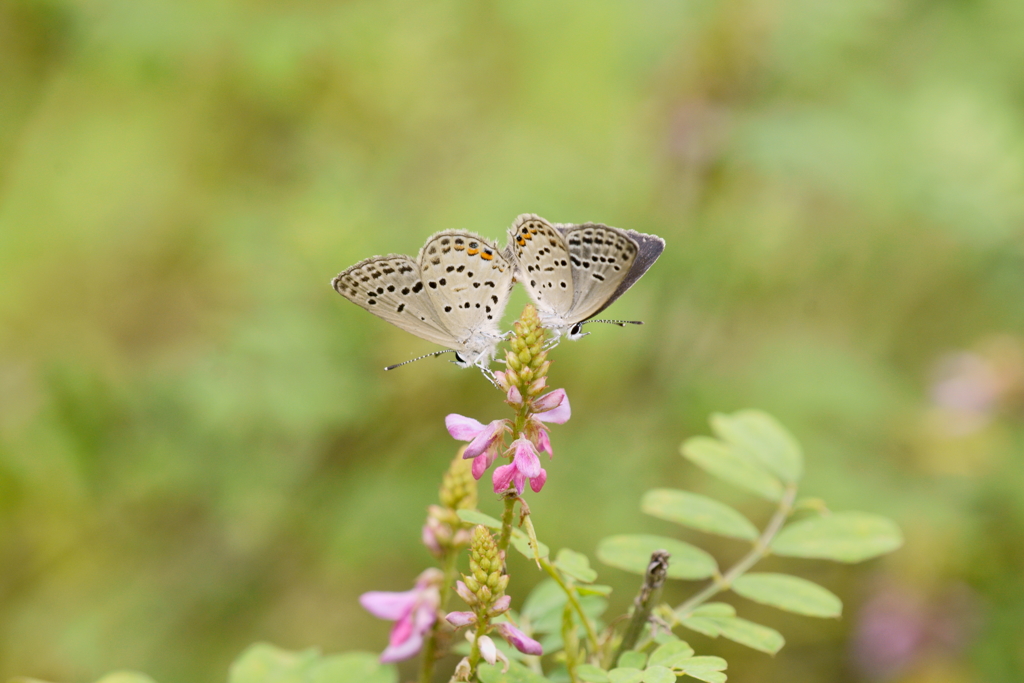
point(413, 360)
point(620, 323)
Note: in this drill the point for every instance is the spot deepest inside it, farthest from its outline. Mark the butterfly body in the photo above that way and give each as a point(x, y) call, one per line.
point(573, 272)
point(453, 293)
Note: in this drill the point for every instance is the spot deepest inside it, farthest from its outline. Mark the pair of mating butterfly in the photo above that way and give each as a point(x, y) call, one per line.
point(455, 291)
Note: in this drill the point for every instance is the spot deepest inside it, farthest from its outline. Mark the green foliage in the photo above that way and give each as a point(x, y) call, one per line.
point(726, 462)
point(790, 593)
point(843, 537)
point(755, 452)
point(698, 512)
point(633, 553)
point(263, 663)
point(758, 437)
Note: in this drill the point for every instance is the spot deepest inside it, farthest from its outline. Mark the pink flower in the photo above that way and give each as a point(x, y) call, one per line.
point(519, 640)
point(552, 407)
point(485, 441)
point(414, 613)
point(460, 619)
point(525, 466)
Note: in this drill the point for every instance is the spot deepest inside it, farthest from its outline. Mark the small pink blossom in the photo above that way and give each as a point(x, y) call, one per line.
point(414, 613)
point(463, 592)
point(525, 466)
point(485, 441)
point(500, 605)
point(460, 619)
point(514, 396)
point(488, 649)
point(519, 640)
point(433, 534)
point(552, 407)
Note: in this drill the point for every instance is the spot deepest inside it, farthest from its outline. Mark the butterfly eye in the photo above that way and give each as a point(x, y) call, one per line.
point(575, 329)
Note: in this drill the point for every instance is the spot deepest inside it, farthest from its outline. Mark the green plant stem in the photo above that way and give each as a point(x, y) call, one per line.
point(762, 547)
point(646, 599)
point(482, 627)
point(429, 657)
point(506, 524)
point(573, 600)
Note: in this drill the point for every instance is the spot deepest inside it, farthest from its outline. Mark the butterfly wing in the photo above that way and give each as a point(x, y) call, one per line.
point(468, 281)
point(543, 266)
point(390, 287)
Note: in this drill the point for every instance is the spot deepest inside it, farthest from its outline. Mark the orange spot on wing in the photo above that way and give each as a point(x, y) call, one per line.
point(485, 256)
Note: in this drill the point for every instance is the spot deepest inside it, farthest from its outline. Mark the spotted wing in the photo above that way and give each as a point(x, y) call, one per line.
point(390, 287)
point(542, 264)
point(468, 281)
point(605, 263)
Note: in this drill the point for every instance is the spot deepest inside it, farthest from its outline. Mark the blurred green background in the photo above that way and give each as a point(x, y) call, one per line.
point(198, 447)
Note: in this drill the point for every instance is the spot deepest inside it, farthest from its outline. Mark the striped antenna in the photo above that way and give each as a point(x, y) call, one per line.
point(413, 360)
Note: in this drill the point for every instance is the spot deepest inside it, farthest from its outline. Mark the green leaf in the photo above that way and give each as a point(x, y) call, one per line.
point(591, 673)
point(748, 633)
point(547, 597)
point(705, 669)
point(575, 565)
point(710, 676)
point(790, 593)
point(715, 609)
point(477, 517)
point(124, 677)
point(698, 512)
point(263, 663)
point(670, 654)
point(722, 461)
point(659, 674)
point(704, 663)
point(632, 659)
point(626, 675)
point(517, 673)
point(521, 542)
point(843, 537)
point(704, 625)
point(633, 553)
point(594, 589)
point(352, 667)
point(759, 436)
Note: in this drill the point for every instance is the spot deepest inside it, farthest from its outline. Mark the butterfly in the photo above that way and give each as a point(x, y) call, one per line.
point(453, 293)
point(573, 272)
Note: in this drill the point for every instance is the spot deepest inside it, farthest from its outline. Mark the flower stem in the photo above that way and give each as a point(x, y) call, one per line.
point(762, 547)
point(574, 600)
point(506, 524)
point(429, 655)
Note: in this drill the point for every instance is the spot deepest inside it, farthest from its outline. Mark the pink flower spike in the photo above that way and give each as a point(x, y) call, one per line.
point(462, 428)
point(513, 396)
point(519, 640)
point(553, 407)
point(460, 619)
